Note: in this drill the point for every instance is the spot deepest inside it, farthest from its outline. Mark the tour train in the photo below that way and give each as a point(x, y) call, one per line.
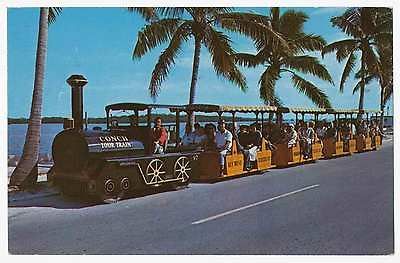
point(116, 162)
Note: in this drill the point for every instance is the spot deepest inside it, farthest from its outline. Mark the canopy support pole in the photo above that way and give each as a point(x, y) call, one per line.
point(262, 122)
point(233, 122)
point(136, 120)
point(177, 129)
point(149, 117)
point(108, 119)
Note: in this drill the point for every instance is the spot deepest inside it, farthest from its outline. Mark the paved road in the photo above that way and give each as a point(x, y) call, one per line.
point(340, 206)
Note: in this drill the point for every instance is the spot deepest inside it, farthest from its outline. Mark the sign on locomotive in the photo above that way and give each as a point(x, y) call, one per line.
point(126, 158)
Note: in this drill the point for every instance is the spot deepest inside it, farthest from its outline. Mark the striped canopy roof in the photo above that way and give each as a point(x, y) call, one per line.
point(307, 110)
point(208, 108)
point(225, 108)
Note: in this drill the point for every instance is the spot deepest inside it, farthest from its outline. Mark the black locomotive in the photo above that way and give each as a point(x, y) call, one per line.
point(116, 161)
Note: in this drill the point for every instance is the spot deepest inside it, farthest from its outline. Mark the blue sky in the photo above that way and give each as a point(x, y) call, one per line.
point(98, 43)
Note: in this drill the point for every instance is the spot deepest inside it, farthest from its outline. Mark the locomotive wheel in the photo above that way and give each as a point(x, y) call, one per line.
point(125, 184)
point(108, 189)
point(155, 171)
point(182, 169)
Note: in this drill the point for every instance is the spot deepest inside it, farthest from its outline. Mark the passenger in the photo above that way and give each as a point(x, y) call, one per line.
point(243, 136)
point(209, 144)
point(114, 123)
point(358, 128)
point(378, 129)
point(372, 130)
point(291, 136)
point(339, 128)
point(188, 137)
point(331, 131)
point(267, 130)
point(302, 137)
point(364, 128)
point(199, 134)
point(254, 144)
point(320, 131)
point(310, 139)
point(159, 136)
point(299, 126)
point(347, 131)
point(277, 134)
point(223, 139)
point(243, 140)
point(353, 129)
point(266, 134)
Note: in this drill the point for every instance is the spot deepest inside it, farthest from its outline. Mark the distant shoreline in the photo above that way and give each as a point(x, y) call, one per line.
point(142, 119)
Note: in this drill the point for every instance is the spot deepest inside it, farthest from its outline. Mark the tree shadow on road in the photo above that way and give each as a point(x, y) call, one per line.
point(60, 201)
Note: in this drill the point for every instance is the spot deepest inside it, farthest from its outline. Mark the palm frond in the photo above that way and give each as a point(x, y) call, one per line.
point(257, 27)
point(292, 23)
point(308, 42)
point(343, 47)
point(171, 12)
point(318, 97)
point(348, 68)
point(388, 93)
point(368, 80)
point(383, 38)
point(371, 59)
point(215, 11)
point(308, 65)
point(219, 46)
point(267, 84)
point(148, 13)
point(237, 78)
point(166, 60)
point(368, 19)
point(155, 34)
point(349, 22)
point(54, 12)
point(274, 15)
point(384, 21)
point(247, 60)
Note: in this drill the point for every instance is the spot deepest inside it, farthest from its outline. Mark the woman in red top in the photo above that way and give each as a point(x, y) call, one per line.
point(159, 136)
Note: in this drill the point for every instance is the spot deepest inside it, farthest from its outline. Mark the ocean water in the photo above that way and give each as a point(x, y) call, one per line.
point(17, 132)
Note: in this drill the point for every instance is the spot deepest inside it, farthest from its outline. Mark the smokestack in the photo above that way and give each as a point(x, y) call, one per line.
point(77, 82)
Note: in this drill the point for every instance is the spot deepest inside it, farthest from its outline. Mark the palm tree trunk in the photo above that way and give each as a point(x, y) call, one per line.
point(382, 105)
point(271, 114)
point(195, 73)
point(362, 88)
point(24, 172)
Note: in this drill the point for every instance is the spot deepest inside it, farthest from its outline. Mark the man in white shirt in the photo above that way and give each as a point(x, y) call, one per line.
point(188, 137)
point(291, 136)
point(198, 136)
point(223, 139)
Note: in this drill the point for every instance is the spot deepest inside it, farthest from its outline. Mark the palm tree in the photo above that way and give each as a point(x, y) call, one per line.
point(178, 25)
point(26, 171)
point(383, 73)
point(366, 30)
point(278, 60)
